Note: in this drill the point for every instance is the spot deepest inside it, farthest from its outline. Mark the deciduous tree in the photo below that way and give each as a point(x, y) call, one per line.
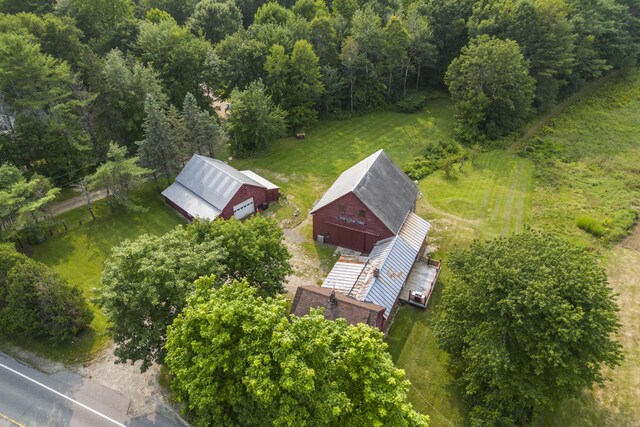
point(234, 355)
point(124, 84)
point(36, 302)
point(215, 20)
point(491, 87)
point(145, 283)
point(527, 320)
point(254, 120)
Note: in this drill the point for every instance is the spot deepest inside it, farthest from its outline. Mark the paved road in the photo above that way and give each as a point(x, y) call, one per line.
point(30, 398)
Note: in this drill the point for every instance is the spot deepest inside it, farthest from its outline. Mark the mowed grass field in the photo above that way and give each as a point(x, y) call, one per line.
point(79, 256)
point(304, 169)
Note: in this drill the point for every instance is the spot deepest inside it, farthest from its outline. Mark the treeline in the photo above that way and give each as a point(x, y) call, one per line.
point(76, 74)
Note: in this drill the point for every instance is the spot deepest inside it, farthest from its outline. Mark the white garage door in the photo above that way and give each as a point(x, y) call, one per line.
point(243, 209)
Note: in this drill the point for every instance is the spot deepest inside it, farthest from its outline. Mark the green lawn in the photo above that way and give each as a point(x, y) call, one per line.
point(79, 256)
point(304, 169)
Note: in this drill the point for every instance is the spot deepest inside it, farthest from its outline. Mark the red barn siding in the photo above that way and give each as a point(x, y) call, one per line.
point(273, 195)
point(179, 209)
point(345, 228)
point(245, 192)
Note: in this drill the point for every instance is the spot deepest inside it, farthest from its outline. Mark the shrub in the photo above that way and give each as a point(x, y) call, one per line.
point(440, 155)
point(37, 302)
point(412, 103)
point(420, 167)
point(590, 225)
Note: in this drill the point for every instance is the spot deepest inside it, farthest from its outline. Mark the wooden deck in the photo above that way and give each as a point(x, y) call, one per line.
point(422, 279)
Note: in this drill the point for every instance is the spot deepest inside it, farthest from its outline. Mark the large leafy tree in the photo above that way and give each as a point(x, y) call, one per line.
point(180, 10)
point(527, 320)
point(145, 283)
point(367, 31)
point(38, 103)
point(36, 302)
point(118, 175)
point(254, 250)
point(491, 87)
point(242, 60)
point(395, 49)
point(124, 84)
point(234, 355)
point(254, 120)
point(35, 6)
point(215, 20)
point(304, 86)
point(605, 37)
point(422, 50)
point(97, 18)
point(57, 36)
point(323, 37)
point(542, 30)
point(182, 60)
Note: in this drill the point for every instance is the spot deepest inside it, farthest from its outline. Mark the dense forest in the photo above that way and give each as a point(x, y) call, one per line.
point(79, 79)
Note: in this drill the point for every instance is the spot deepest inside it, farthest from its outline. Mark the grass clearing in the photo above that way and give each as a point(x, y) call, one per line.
point(304, 169)
point(588, 165)
point(79, 255)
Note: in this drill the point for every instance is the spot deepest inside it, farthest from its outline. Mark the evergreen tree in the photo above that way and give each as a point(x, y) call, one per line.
point(201, 129)
point(159, 150)
point(118, 175)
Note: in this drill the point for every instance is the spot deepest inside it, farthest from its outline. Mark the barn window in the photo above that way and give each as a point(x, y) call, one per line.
point(342, 209)
point(361, 213)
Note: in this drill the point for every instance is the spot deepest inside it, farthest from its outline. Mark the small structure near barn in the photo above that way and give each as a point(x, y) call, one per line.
point(337, 306)
point(393, 271)
point(208, 188)
point(367, 203)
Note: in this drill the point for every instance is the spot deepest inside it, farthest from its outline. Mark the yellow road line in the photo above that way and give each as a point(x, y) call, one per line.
point(11, 420)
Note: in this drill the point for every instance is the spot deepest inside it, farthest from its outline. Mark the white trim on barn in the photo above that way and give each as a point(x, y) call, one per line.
point(244, 209)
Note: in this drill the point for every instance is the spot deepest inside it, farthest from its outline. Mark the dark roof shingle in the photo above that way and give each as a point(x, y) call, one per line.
point(381, 185)
point(352, 310)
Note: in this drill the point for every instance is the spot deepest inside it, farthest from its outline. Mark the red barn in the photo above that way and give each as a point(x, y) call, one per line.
point(367, 203)
point(209, 188)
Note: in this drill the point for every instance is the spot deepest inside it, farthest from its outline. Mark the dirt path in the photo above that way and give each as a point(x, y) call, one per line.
point(560, 108)
point(76, 202)
point(305, 271)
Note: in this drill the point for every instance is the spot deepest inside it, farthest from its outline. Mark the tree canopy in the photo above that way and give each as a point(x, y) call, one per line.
point(491, 87)
point(527, 320)
point(145, 283)
point(254, 120)
point(36, 302)
point(234, 355)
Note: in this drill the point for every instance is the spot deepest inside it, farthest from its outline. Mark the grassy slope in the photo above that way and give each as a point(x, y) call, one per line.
point(306, 168)
point(79, 257)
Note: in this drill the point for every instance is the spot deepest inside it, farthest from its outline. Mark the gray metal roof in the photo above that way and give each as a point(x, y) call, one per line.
point(212, 180)
point(393, 257)
point(345, 273)
point(205, 186)
point(190, 202)
point(262, 181)
point(380, 185)
point(398, 259)
point(414, 230)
